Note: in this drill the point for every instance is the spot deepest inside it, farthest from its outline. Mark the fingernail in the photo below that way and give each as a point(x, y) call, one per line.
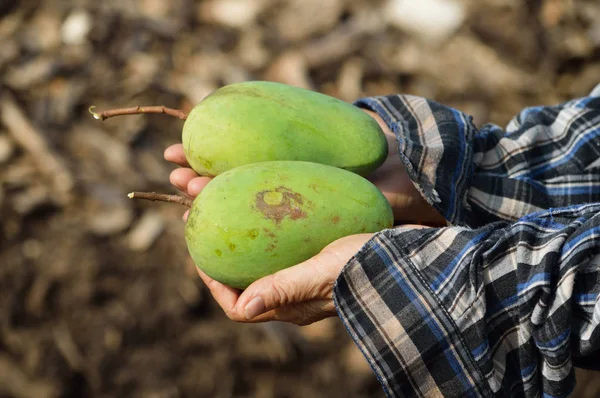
point(254, 308)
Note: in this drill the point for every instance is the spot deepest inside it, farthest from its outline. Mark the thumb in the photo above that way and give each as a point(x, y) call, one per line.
point(308, 280)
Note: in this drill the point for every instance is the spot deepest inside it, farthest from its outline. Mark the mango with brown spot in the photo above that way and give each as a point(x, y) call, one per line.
point(274, 218)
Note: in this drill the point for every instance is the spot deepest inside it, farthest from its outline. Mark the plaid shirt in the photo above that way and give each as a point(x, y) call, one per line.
point(505, 301)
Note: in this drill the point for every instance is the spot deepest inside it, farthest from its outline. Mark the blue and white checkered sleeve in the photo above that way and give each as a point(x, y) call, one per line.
point(504, 310)
point(547, 157)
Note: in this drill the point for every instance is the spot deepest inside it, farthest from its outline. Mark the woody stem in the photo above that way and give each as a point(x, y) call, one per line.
point(161, 197)
point(136, 110)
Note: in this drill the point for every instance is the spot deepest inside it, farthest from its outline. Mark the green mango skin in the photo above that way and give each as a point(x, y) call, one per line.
point(256, 219)
point(260, 121)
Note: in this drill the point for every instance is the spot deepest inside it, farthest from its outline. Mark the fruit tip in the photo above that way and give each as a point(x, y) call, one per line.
point(96, 115)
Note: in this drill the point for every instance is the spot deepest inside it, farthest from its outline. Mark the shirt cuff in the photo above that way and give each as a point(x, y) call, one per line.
point(434, 144)
point(405, 333)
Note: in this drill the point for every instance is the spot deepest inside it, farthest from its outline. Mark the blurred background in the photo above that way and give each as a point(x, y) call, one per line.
point(97, 295)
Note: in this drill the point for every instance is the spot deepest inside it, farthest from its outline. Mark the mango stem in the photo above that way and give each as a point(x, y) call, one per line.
point(161, 197)
point(136, 110)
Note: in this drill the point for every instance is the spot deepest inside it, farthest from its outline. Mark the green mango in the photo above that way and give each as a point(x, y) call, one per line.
point(256, 219)
point(260, 121)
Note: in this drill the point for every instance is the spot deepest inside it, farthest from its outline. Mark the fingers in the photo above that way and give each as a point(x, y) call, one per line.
point(175, 154)
point(180, 178)
point(196, 185)
point(225, 296)
point(187, 181)
point(295, 285)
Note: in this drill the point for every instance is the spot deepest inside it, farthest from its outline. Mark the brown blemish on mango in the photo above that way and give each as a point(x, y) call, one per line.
point(269, 233)
point(253, 233)
point(280, 203)
point(231, 246)
point(218, 252)
point(314, 187)
point(335, 219)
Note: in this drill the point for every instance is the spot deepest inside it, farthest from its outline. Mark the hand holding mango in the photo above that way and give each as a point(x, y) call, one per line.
point(299, 294)
point(288, 165)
